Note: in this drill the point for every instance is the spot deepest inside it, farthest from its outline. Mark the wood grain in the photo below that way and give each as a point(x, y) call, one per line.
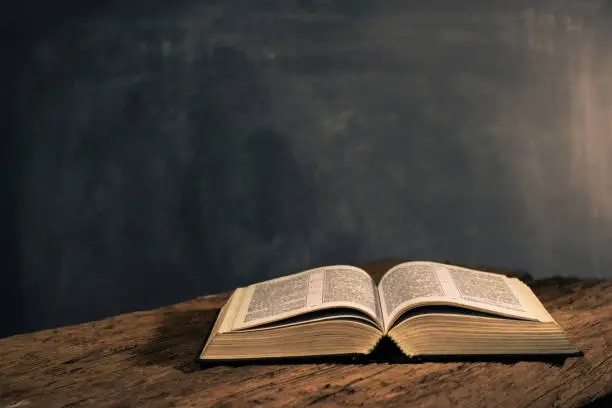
point(146, 359)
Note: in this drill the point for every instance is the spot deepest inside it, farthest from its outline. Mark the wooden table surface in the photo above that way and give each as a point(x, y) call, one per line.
point(146, 359)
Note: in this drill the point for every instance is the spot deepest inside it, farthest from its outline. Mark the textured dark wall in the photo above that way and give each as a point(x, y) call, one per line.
point(166, 150)
point(11, 296)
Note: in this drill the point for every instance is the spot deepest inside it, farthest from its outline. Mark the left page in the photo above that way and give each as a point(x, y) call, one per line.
point(316, 289)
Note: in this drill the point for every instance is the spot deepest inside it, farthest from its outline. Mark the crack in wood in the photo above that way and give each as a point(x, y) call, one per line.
point(346, 386)
point(313, 373)
point(563, 383)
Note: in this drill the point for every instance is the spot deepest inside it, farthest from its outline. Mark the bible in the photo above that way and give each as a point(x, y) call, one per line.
point(425, 308)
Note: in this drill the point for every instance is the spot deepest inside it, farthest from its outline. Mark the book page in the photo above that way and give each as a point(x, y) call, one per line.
point(414, 284)
point(316, 289)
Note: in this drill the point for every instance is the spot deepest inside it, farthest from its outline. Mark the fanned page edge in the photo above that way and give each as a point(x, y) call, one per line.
point(223, 319)
point(535, 303)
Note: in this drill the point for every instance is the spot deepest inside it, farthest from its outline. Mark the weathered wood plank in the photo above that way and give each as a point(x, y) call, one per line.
point(146, 358)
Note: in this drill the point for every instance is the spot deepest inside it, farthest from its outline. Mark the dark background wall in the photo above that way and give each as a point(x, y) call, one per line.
point(163, 150)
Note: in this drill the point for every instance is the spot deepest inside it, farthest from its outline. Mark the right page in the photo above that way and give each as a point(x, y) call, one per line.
point(415, 284)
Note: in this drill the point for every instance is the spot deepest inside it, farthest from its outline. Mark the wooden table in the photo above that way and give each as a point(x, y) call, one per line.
point(146, 359)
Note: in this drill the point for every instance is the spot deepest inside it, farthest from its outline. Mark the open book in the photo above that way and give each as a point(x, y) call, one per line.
point(425, 308)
